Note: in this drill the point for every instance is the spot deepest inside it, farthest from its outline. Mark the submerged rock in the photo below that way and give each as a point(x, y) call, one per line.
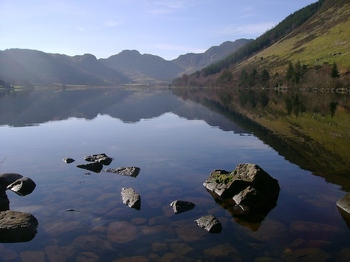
point(131, 198)
point(17, 226)
point(131, 171)
point(180, 206)
point(209, 223)
point(94, 167)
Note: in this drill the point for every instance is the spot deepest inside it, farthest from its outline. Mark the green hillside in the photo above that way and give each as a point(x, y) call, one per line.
point(313, 38)
point(324, 38)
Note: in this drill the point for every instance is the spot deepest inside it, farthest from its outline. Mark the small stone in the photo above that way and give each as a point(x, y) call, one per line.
point(131, 198)
point(23, 186)
point(180, 206)
point(209, 223)
point(68, 160)
point(131, 171)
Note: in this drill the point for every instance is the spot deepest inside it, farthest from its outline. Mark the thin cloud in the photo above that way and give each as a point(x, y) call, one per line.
point(244, 29)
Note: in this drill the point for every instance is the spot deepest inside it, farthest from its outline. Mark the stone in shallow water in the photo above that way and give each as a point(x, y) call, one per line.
point(17, 226)
point(87, 257)
point(121, 232)
point(209, 223)
point(29, 256)
point(58, 253)
point(91, 242)
point(131, 171)
point(223, 252)
point(101, 158)
point(131, 198)
point(180, 206)
point(23, 186)
point(68, 160)
point(307, 254)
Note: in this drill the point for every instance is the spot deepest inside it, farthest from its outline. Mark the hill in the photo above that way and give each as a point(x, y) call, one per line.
point(31, 67)
point(23, 66)
point(192, 62)
point(314, 37)
point(144, 68)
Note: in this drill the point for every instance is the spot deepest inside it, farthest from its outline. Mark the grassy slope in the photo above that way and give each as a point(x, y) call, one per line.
point(315, 42)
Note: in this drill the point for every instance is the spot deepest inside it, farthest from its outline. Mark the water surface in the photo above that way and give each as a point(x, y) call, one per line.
point(177, 143)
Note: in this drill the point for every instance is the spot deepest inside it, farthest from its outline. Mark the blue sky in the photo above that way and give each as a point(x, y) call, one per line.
point(164, 28)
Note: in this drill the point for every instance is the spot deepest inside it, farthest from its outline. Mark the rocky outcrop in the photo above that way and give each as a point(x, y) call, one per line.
point(131, 171)
point(180, 206)
point(248, 192)
point(249, 186)
point(17, 226)
point(209, 223)
point(131, 198)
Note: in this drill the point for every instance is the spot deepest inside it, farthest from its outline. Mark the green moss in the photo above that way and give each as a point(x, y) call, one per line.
point(223, 178)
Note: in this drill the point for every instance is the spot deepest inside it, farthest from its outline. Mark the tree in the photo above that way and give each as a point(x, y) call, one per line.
point(335, 71)
point(290, 72)
point(264, 77)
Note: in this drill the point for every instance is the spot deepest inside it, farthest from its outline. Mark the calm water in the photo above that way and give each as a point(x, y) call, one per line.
point(176, 143)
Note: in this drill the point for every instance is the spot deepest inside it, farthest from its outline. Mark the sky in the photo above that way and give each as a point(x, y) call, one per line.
point(159, 27)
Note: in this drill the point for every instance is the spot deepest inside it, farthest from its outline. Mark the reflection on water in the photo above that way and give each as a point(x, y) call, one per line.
point(176, 143)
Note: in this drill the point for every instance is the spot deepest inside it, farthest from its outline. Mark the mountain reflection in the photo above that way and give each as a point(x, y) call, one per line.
point(308, 128)
point(32, 107)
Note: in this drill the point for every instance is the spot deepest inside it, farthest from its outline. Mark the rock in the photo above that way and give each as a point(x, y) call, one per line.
point(344, 203)
point(17, 226)
point(249, 186)
point(23, 186)
point(94, 167)
point(180, 206)
point(68, 160)
point(8, 178)
point(101, 158)
point(209, 223)
point(131, 171)
point(307, 254)
point(131, 198)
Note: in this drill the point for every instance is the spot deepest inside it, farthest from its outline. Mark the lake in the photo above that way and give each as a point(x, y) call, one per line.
point(176, 141)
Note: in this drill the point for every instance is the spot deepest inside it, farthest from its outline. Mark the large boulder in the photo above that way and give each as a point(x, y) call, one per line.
point(17, 226)
point(248, 188)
